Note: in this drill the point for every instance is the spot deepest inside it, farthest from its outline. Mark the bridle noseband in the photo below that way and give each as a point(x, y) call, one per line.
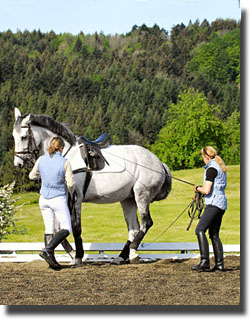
point(29, 154)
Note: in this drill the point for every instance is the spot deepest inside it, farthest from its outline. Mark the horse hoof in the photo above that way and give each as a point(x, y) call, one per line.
point(117, 261)
point(76, 262)
point(134, 259)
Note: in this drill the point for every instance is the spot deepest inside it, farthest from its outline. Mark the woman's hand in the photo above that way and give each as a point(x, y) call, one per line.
point(196, 187)
point(205, 189)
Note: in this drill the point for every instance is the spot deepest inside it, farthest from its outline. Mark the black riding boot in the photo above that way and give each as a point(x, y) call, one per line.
point(66, 245)
point(218, 253)
point(47, 238)
point(48, 252)
point(204, 264)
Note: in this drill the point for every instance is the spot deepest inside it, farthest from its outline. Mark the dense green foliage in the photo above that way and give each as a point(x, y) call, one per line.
point(219, 59)
point(124, 84)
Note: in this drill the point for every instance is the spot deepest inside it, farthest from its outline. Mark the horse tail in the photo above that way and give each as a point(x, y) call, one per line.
point(167, 185)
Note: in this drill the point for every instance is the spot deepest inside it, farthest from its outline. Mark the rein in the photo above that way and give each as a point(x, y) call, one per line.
point(67, 151)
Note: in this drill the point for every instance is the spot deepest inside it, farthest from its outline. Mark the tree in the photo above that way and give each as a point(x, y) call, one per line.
point(231, 146)
point(192, 125)
point(78, 45)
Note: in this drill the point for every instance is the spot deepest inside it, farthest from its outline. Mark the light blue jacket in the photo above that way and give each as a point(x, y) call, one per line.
point(52, 172)
point(217, 196)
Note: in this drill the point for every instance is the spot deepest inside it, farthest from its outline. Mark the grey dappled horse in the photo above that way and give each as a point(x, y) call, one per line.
point(133, 176)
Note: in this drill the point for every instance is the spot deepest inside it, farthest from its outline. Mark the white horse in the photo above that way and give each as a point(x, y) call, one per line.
point(133, 176)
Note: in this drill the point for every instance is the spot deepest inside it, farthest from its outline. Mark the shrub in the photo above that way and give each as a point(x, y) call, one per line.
point(7, 212)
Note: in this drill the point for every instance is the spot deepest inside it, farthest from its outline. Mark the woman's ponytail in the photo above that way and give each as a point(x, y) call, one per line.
point(55, 145)
point(211, 153)
point(221, 163)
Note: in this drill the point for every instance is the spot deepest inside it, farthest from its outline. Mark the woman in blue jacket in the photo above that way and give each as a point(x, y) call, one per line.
point(56, 175)
point(213, 189)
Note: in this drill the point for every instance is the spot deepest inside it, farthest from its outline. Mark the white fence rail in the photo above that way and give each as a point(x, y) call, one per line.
point(28, 251)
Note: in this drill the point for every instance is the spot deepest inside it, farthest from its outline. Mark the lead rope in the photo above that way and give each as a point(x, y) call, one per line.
point(195, 208)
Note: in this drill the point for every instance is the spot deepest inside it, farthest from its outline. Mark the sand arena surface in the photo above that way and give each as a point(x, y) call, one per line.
point(164, 282)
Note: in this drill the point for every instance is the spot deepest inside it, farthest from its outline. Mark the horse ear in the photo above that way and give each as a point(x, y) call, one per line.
point(17, 113)
point(28, 119)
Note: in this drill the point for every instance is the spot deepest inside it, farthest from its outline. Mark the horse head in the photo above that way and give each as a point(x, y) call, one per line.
point(25, 141)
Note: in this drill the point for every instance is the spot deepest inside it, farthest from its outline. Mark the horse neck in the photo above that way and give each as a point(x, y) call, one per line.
point(43, 137)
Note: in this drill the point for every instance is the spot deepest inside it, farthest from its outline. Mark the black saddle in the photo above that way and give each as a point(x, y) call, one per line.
point(91, 151)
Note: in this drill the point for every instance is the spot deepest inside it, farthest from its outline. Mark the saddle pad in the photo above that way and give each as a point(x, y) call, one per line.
point(114, 156)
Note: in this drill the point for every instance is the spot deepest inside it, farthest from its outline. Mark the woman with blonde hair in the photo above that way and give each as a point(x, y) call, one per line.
point(213, 189)
point(56, 175)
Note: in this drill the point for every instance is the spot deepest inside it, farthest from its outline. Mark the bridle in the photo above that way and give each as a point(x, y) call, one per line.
point(29, 155)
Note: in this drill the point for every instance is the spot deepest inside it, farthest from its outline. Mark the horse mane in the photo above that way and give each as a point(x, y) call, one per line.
point(50, 124)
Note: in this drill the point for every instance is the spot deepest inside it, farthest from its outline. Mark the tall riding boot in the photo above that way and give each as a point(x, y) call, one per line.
point(204, 264)
point(48, 252)
point(218, 253)
point(47, 238)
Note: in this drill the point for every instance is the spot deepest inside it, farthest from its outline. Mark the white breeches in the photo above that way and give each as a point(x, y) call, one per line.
point(55, 211)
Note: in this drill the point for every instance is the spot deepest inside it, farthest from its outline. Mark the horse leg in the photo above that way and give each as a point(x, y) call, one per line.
point(146, 223)
point(77, 230)
point(130, 214)
point(68, 248)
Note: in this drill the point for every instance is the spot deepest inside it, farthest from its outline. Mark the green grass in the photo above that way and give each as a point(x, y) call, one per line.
point(105, 223)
